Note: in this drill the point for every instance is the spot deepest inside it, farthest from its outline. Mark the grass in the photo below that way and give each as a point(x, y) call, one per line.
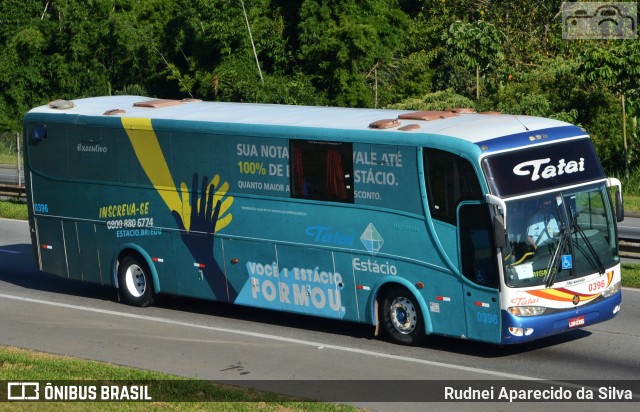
point(632, 203)
point(9, 158)
point(13, 209)
point(23, 365)
point(631, 275)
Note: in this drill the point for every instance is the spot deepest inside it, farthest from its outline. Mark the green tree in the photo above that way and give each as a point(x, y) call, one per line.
point(344, 43)
point(476, 46)
point(615, 64)
point(440, 100)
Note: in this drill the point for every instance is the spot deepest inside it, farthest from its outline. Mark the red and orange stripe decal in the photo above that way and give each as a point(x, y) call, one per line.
point(566, 295)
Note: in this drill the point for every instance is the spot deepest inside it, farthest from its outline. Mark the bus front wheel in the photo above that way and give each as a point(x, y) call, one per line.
point(134, 278)
point(401, 317)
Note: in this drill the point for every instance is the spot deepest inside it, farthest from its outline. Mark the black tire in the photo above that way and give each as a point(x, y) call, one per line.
point(402, 319)
point(134, 280)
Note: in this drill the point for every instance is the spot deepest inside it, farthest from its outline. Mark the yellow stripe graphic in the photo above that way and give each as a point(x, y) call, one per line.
point(149, 153)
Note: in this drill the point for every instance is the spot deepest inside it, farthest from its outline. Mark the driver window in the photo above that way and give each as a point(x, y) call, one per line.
point(476, 246)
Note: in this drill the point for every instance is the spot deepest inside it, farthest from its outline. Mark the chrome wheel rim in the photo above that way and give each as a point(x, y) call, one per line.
point(403, 315)
point(135, 281)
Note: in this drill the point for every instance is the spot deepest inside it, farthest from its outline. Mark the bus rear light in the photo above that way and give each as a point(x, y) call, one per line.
point(526, 310)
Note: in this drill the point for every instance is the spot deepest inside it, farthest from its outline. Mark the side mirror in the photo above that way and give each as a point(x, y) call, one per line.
point(499, 232)
point(619, 206)
point(613, 182)
point(499, 219)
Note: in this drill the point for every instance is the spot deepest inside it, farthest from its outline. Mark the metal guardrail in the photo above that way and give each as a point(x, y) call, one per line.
point(12, 190)
point(629, 248)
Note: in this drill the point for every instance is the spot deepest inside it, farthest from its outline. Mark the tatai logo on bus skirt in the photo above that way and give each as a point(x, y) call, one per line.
point(329, 236)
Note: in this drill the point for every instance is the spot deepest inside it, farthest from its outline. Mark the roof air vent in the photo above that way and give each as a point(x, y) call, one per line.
point(410, 127)
point(62, 104)
point(461, 110)
point(113, 112)
point(427, 115)
point(157, 103)
point(384, 124)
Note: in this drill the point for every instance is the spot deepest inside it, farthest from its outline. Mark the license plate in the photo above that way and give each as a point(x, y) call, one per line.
point(575, 322)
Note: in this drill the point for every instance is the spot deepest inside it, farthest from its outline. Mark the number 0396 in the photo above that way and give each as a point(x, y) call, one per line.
point(597, 285)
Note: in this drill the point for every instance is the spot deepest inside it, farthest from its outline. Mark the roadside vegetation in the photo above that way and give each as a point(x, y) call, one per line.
point(631, 275)
point(13, 208)
point(24, 365)
point(507, 56)
point(632, 203)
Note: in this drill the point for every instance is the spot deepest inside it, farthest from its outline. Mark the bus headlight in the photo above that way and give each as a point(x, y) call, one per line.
point(526, 310)
point(611, 290)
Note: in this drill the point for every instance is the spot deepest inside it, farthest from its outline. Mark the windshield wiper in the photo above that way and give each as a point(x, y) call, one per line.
point(598, 262)
point(554, 262)
point(565, 238)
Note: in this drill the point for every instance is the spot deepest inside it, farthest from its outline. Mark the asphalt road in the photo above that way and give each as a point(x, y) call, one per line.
point(211, 341)
point(629, 228)
point(9, 174)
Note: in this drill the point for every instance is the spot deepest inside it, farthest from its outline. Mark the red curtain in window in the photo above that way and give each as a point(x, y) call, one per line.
point(298, 173)
point(335, 175)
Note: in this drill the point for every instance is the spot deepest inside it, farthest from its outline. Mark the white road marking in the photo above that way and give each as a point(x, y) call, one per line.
point(302, 342)
point(275, 338)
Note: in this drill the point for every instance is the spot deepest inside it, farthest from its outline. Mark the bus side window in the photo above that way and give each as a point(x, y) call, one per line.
point(322, 170)
point(449, 180)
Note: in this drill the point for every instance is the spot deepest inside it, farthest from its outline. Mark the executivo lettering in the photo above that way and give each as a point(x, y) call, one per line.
point(95, 148)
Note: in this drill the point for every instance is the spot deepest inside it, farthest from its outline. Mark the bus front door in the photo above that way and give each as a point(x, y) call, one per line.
point(480, 272)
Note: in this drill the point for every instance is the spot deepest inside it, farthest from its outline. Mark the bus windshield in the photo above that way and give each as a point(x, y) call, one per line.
point(559, 236)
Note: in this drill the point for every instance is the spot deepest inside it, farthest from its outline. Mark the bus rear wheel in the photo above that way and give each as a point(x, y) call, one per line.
point(401, 317)
point(134, 279)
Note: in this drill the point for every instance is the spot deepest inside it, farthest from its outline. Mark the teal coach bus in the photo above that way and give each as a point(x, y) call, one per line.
point(417, 222)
